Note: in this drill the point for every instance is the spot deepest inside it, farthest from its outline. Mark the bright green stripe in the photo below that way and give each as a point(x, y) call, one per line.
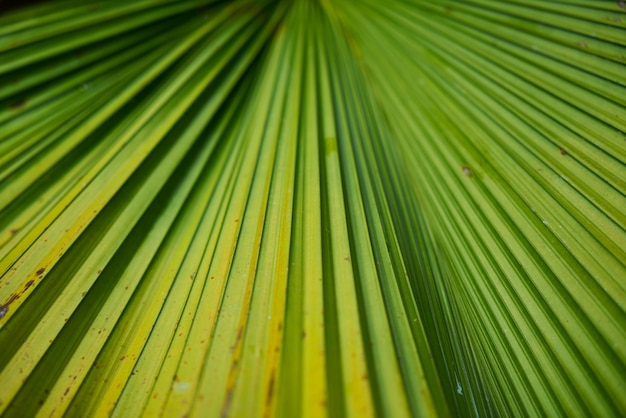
point(174, 270)
point(133, 153)
point(559, 43)
point(583, 23)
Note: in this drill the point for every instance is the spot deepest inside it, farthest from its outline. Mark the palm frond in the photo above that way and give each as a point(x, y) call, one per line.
point(399, 208)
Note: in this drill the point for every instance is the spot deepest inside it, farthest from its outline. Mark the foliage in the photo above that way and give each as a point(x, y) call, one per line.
point(301, 208)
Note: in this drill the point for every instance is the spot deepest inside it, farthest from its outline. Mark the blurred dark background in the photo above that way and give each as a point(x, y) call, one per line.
point(6, 5)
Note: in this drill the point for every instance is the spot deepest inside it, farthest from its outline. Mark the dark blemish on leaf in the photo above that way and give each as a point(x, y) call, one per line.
point(621, 4)
point(239, 334)
point(270, 389)
point(122, 358)
point(583, 44)
point(467, 171)
point(563, 151)
point(303, 335)
point(192, 276)
point(13, 231)
point(66, 391)
point(18, 105)
point(28, 284)
point(5, 308)
point(229, 397)
point(364, 376)
point(347, 259)
point(40, 271)
point(280, 326)
point(236, 220)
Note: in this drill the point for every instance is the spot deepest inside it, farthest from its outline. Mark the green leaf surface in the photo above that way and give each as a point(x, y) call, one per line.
point(313, 208)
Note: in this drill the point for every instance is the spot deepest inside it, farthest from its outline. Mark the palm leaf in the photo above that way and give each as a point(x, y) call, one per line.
point(313, 208)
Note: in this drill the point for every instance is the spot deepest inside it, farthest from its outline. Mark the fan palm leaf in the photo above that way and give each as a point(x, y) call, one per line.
point(311, 208)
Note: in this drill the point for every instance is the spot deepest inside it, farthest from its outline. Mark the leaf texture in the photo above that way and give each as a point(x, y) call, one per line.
point(313, 208)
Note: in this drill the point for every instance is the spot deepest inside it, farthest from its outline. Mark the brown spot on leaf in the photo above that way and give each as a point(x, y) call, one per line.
point(563, 151)
point(28, 284)
point(40, 271)
point(229, 397)
point(270, 388)
point(4, 309)
point(467, 171)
